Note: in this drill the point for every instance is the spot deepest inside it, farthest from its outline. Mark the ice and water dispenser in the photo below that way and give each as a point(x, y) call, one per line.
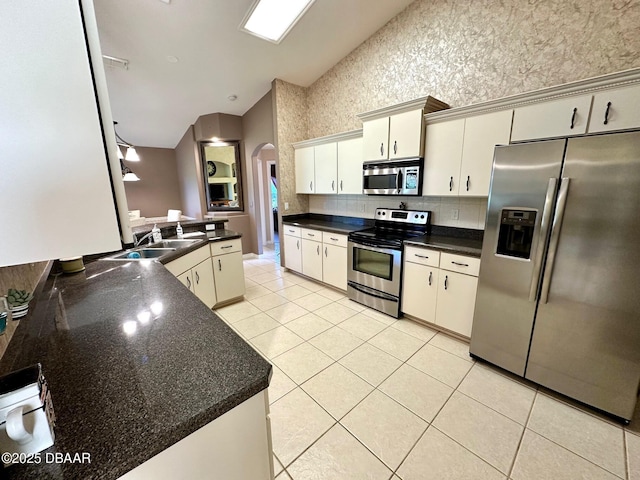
point(515, 237)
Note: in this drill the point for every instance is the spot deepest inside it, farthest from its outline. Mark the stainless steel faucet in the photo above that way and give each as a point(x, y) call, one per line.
point(137, 242)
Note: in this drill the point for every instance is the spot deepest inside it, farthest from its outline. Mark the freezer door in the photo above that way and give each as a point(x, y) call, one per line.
point(523, 180)
point(586, 340)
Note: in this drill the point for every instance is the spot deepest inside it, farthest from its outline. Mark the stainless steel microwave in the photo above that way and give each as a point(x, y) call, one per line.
point(393, 177)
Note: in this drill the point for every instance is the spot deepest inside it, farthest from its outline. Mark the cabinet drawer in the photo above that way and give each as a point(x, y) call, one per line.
point(423, 256)
point(307, 234)
point(188, 261)
point(334, 239)
point(292, 231)
point(229, 246)
point(460, 263)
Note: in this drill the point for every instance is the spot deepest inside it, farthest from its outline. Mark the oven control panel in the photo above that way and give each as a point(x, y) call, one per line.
point(413, 217)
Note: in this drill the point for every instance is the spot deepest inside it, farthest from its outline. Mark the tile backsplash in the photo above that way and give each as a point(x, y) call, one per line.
point(471, 210)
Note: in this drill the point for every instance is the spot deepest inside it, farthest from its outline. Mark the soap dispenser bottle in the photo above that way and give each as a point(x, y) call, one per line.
point(157, 234)
point(179, 232)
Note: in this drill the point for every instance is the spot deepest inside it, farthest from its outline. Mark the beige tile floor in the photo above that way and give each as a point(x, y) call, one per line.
point(359, 395)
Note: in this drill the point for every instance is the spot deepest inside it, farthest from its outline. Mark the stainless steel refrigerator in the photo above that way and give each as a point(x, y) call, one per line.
point(559, 287)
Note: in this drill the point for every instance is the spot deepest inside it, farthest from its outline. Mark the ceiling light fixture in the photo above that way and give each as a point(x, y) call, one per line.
point(272, 20)
point(232, 98)
point(127, 173)
point(132, 155)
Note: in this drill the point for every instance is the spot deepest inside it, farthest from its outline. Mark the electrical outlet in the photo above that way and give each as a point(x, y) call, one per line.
point(455, 214)
point(286, 205)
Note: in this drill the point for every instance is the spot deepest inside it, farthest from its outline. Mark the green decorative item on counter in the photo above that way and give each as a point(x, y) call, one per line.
point(17, 298)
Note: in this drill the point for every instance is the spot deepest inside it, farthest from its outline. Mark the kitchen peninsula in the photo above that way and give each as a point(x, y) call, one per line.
point(137, 367)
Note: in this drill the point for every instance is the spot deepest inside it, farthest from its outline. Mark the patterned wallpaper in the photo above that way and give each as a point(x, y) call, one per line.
point(291, 125)
point(465, 52)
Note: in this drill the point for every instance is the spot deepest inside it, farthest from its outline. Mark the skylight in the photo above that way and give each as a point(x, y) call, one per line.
point(272, 20)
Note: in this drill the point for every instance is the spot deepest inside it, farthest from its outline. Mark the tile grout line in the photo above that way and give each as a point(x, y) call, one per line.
point(524, 430)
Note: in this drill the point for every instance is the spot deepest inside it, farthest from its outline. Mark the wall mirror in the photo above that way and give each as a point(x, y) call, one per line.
point(222, 178)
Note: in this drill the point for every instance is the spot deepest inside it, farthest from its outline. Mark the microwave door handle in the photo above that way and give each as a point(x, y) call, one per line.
point(399, 181)
point(555, 238)
point(544, 234)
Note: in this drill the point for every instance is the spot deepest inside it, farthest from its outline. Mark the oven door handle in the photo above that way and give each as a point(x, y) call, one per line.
point(369, 292)
point(372, 245)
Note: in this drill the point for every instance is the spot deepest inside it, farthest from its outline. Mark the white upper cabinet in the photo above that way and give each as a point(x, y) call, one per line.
point(350, 166)
point(55, 188)
point(562, 117)
point(304, 165)
point(442, 157)
point(405, 134)
point(326, 168)
point(375, 139)
point(481, 134)
point(617, 109)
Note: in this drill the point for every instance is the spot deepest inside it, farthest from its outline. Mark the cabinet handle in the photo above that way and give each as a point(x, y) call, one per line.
point(446, 282)
point(311, 184)
point(188, 283)
point(197, 279)
point(325, 251)
point(292, 231)
point(451, 184)
point(219, 265)
point(606, 113)
point(334, 239)
point(573, 117)
point(311, 234)
point(318, 249)
point(333, 184)
point(341, 189)
point(395, 147)
point(421, 256)
point(231, 246)
point(468, 180)
point(298, 244)
point(461, 264)
point(430, 277)
point(382, 149)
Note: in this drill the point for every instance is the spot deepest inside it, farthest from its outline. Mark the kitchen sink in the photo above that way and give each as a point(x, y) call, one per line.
point(180, 243)
point(145, 254)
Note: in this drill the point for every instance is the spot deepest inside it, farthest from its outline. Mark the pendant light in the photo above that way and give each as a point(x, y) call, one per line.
point(127, 173)
point(131, 155)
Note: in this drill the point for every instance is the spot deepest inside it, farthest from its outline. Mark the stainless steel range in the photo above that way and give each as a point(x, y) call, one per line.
point(374, 276)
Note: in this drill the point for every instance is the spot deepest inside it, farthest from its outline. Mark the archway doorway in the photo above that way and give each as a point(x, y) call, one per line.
point(266, 197)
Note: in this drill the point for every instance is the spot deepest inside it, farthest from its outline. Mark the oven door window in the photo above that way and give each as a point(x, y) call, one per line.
point(386, 181)
point(373, 263)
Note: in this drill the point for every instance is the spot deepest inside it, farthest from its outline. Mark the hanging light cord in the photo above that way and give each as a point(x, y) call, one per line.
point(118, 137)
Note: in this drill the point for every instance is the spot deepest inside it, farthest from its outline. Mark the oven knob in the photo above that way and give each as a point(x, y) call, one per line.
point(384, 213)
point(416, 215)
point(421, 216)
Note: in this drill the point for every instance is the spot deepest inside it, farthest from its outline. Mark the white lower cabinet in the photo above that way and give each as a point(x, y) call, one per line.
point(292, 248)
point(204, 285)
point(456, 301)
point(435, 291)
point(420, 291)
point(229, 275)
point(334, 266)
point(228, 269)
point(312, 258)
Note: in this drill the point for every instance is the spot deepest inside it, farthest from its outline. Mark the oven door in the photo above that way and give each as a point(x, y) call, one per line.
point(375, 267)
point(382, 181)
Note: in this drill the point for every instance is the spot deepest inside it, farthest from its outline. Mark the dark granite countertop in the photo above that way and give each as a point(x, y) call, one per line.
point(135, 362)
point(453, 240)
point(169, 228)
point(329, 223)
point(210, 236)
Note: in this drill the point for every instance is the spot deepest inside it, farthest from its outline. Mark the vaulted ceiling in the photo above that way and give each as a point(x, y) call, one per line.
point(156, 99)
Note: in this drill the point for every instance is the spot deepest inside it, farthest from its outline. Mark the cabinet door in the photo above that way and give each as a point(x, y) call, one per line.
point(292, 253)
point(481, 134)
point(203, 283)
point(617, 109)
point(350, 166)
point(456, 301)
point(443, 154)
point(326, 168)
point(187, 279)
point(312, 259)
point(229, 276)
point(375, 139)
point(405, 134)
point(419, 291)
point(304, 160)
point(563, 117)
point(334, 266)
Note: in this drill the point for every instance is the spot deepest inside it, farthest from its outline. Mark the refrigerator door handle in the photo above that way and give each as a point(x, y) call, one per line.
point(555, 237)
point(544, 230)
